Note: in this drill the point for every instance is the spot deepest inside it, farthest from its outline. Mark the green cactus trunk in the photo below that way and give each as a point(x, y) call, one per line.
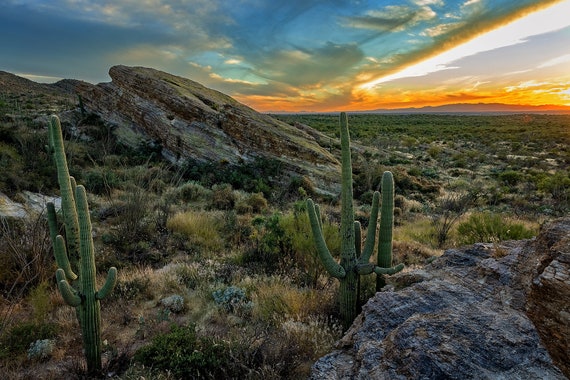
point(386, 227)
point(89, 309)
point(353, 261)
point(83, 296)
point(348, 291)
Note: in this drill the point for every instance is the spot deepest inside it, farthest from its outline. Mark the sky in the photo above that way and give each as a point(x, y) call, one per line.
point(305, 55)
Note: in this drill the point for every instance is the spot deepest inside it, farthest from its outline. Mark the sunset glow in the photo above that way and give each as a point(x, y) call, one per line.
point(300, 55)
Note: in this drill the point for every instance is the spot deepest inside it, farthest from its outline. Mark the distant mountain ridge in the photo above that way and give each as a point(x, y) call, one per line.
point(480, 108)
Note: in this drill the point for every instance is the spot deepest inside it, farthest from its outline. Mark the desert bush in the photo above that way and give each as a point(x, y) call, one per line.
point(304, 256)
point(131, 289)
point(190, 191)
point(132, 222)
point(41, 349)
point(232, 299)
point(187, 355)
point(487, 227)
point(39, 300)
point(100, 180)
point(558, 187)
point(314, 336)
point(510, 177)
point(269, 247)
point(19, 337)
point(25, 255)
point(448, 210)
point(223, 197)
point(253, 203)
point(276, 297)
point(174, 303)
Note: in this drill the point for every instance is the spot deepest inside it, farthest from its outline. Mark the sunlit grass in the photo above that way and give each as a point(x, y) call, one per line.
point(200, 228)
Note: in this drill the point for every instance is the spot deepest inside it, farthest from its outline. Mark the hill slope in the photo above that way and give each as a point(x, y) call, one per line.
point(190, 121)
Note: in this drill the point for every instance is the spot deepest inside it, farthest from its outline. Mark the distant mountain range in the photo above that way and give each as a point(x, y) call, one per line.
point(479, 108)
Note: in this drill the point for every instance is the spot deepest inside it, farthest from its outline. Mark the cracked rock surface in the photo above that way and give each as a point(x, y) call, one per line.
point(482, 312)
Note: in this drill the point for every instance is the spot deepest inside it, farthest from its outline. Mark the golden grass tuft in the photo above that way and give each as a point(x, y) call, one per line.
point(200, 228)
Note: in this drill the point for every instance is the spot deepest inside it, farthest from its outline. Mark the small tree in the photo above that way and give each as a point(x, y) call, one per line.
point(448, 210)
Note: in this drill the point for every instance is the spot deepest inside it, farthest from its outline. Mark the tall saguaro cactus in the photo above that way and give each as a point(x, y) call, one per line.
point(80, 290)
point(354, 261)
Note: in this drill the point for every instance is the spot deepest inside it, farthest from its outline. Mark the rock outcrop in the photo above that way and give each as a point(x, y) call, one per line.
point(190, 121)
point(484, 312)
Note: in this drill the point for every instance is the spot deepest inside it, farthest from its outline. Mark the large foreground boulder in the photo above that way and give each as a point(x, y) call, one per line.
point(484, 312)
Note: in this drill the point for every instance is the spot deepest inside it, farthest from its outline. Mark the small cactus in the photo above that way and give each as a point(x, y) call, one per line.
point(78, 290)
point(354, 261)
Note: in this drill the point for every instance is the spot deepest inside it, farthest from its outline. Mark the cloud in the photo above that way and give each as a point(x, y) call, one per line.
point(301, 67)
point(560, 60)
point(392, 17)
point(438, 52)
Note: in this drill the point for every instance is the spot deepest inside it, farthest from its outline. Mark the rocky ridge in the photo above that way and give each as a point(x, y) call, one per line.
point(190, 121)
point(483, 312)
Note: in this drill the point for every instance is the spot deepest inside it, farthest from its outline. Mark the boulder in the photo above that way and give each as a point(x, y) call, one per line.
point(490, 311)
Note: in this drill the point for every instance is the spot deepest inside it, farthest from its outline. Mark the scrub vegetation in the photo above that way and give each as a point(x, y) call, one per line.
point(218, 274)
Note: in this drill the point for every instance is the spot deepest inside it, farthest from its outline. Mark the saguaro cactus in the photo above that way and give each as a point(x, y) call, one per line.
point(386, 227)
point(80, 290)
point(353, 261)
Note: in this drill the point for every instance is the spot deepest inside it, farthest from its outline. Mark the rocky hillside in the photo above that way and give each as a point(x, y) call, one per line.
point(182, 117)
point(188, 120)
point(484, 312)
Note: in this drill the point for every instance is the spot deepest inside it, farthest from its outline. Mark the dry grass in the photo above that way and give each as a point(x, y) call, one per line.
point(201, 229)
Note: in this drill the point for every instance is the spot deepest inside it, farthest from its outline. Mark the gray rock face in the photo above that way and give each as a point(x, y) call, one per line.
point(465, 317)
point(189, 120)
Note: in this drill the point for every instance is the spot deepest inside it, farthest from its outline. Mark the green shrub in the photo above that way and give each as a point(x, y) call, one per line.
point(486, 227)
point(304, 256)
point(269, 247)
point(137, 288)
point(186, 355)
point(231, 299)
point(100, 180)
point(510, 177)
point(19, 337)
point(223, 197)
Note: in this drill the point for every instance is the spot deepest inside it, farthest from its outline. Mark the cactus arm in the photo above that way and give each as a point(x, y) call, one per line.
point(61, 258)
point(66, 188)
point(109, 284)
point(391, 270)
point(332, 267)
point(87, 284)
point(68, 294)
point(386, 222)
point(371, 233)
point(357, 238)
point(347, 211)
point(319, 218)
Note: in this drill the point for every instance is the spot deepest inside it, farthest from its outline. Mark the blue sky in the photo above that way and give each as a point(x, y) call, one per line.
point(305, 55)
